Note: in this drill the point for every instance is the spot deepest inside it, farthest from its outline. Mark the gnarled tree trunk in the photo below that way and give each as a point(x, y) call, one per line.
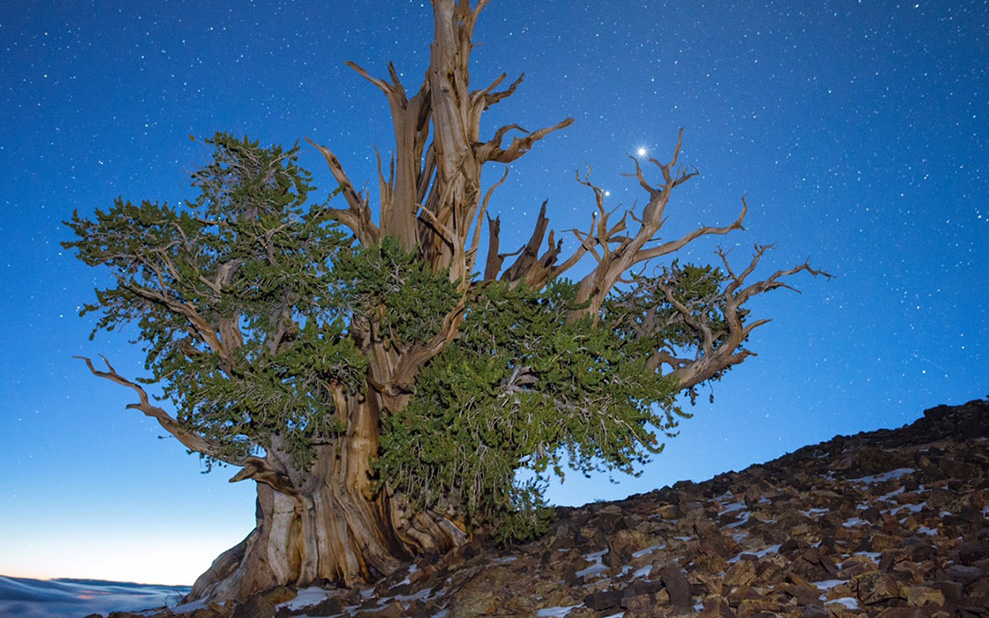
point(327, 524)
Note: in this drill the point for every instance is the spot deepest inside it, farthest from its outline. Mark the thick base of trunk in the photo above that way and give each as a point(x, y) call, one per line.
point(326, 538)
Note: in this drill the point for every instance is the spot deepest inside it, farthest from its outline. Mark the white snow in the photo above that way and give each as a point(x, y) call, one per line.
point(882, 478)
point(412, 569)
point(731, 508)
point(504, 560)
point(648, 550)
point(816, 511)
point(189, 607)
point(912, 508)
point(595, 569)
point(306, 598)
point(741, 521)
point(643, 572)
point(889, 496)
point(848, 602)
point(554, 612)
point(828, 584)
point(762, 553)
point(422, 595)
point(854, 521)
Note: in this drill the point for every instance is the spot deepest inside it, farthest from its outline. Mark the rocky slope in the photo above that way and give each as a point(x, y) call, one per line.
point(888, 523)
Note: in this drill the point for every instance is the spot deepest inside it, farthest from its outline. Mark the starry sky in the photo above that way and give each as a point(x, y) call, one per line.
point(859, 132)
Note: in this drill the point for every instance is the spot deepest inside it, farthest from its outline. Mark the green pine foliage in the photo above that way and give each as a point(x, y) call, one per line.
point(249, 252)
point(526, 385)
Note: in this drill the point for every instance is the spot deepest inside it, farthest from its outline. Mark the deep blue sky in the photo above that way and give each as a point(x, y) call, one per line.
point(858, 131)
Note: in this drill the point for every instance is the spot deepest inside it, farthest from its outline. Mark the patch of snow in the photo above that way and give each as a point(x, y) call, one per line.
point(772, 549)
point(683, 538)
point(854, 521)
point(189, 607)
point(504, 560)
point(412, 569)
point(738, 537)
point(828, 584)
point(306, 598)
point(927, 531)
point(815, 511)
point(422, 595)
point(367, 593)
point(553, 612)
point(743, 520)
point(731, 508)
point(643, 572)
point(762, 553)
point(648, 550)
point(848, 602)
point(890, 495)
point(912, 508)
point(872, 555)
point(882, 478)
point(595, 569)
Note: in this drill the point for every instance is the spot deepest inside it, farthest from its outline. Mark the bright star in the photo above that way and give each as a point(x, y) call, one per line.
point(641, 151)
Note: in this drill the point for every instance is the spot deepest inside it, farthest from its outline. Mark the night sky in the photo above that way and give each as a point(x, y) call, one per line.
point(859, 132)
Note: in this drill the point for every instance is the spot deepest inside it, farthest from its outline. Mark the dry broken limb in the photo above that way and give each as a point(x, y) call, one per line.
point(332, 520)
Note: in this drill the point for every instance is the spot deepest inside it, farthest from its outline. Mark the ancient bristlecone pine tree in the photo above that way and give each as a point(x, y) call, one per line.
point(379, 386)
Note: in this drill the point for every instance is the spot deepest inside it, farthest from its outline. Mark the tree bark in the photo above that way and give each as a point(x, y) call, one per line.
point(332, 525)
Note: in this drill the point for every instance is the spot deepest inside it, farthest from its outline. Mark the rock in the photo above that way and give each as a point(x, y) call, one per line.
point(901, 511)
point(742, 573)
point(392, 610)
point(814, 611)
point(640, 605)
point(923, 596)
point(329, 607)
point(258, 606)
point(873, 588)
point(804, 594)
point(749, 608)
point(902, 612)
point(716, 608)
point(963, 574)
point(676, 585)
point(599, 601)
